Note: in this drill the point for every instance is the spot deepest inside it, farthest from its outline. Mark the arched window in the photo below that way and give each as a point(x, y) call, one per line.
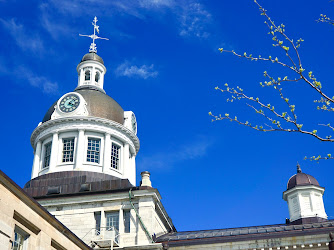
point(87, 75)
point(97, 77)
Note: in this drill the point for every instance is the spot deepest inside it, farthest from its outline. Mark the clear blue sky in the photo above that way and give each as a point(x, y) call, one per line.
point(163, 64)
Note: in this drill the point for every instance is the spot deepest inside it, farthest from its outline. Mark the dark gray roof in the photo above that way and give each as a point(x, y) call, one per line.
point(302, 179)
point(91, 56)
point(244, 233)
point(75, 183)
point(98, 105)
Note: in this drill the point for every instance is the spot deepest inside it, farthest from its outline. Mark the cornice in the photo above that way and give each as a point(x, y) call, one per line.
point(302, 188)
point(96, 197)
point(88, 119)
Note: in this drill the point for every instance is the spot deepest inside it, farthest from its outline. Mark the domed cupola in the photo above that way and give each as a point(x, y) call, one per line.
point(301, 179)
point(92, 56)
point(87, 130)
point(91, 71)
point(94, 104)
point(304, 197)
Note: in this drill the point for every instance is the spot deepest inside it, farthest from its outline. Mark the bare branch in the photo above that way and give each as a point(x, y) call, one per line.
point(319, 157)
point(261, 128)
point(267, 111)
point(325, 19)
point(295, 67)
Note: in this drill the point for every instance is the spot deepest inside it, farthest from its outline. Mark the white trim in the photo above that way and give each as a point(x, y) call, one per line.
point(22, 233)
point(42, 159)
point(37, 159)
point(120, 160)
point(62, 136)
point(54, 151)
point(97, 136)
point(89, 124)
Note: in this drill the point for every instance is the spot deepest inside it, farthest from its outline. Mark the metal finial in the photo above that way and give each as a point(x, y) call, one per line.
point(299, 170)
point(92, 47)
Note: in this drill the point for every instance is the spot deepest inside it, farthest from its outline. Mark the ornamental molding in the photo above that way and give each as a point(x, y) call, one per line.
point(73, 127)
point(108, 199)
point(300, 189)
point(94, 123)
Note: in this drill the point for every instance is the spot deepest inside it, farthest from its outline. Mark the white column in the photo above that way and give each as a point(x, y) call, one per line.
point(54, 152)
point(79, 77)
point(101, 79)
point(107, 153)
point(121, 222)
point(37, 158)
point(80, 154)
point(93, 76)
point(82, 76)
point(103, 220)
point(126, 161)
point(133, 170)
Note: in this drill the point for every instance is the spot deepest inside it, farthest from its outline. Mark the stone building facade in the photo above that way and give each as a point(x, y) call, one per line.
point(25, 224)
point(103, 211)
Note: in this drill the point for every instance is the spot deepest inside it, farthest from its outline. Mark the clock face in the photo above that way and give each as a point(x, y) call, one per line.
point(69, 103)
point(134, 123)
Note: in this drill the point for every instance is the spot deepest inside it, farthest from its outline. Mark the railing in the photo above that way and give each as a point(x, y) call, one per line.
point(103, 237)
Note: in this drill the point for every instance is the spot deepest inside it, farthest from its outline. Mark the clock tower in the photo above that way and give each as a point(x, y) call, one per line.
point(84, 168)
point(87, 130)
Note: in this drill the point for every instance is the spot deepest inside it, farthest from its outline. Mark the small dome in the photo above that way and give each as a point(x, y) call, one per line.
point(301, 179)
point(91, 56)
point(98, 105)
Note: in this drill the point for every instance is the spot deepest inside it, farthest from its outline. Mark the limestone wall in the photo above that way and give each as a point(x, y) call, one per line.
point(19, 213)
point(77, 213)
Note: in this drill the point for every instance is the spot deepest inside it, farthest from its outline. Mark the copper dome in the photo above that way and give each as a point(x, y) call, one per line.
point(301, 179)
point(98, 105)
point(91, 56)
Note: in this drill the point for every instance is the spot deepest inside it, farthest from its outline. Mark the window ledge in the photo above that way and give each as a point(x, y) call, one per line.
point(115, 170)
point(65, 164)
point(92, 163)
point(44, 170)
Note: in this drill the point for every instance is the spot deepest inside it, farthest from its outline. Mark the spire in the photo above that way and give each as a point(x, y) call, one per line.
point(299, 170)
point(92, 47)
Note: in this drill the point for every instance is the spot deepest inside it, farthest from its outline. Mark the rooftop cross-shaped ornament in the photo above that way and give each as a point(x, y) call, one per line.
point(92, 47)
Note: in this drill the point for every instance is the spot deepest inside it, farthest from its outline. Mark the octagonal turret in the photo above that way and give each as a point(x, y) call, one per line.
point(304, 197)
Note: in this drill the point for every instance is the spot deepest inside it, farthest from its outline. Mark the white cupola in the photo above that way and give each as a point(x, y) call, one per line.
point(91, 71)
point(304, 197)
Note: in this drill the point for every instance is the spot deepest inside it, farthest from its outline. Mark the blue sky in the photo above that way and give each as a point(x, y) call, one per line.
point(163, 63)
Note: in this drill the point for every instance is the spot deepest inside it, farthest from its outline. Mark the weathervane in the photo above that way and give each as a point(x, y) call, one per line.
point(92, 47)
